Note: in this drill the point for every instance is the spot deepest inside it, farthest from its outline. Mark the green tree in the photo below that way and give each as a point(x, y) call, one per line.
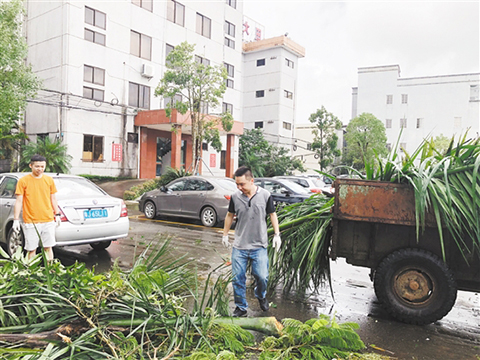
point(441, 143)
point(364, 136)
point(325, 138)
point(56, 154)
point(18, 82)
point(264, 158)
point(201, 87)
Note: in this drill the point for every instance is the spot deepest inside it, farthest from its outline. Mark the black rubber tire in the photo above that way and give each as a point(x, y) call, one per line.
point(101, 245)
point(415, 286)
point(150, 210)
point(208, 216)
point(14, 242)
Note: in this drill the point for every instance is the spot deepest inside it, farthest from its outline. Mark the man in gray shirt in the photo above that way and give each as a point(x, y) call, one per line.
point(251, 204)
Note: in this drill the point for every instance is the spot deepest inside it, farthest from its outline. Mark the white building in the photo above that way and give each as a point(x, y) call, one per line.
point(421, 107)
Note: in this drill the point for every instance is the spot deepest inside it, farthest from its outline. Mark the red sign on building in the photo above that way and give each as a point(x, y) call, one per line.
point(116, 152)
point(213, 160)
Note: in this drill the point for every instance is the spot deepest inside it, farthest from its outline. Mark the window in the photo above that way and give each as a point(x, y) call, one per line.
point(261, 62)
point(176, 98)
point(403, 123)
point(287, 125)
point(389, 99)
point(227, 108)
point(309, 147)
point(260, 93)
point(94, 94)
point(419, 123)
point(474, 92)
point(229, 29)
point(92, 148)
point(229, 83)
point(94, 37)
point(205, 146)
point(223, 159)
point(177, 186)
point(176, 12)
point(93, 75)
point(232, 3)
point(196, 185)
point(258, 125)
point(389, 146)
point(202, 60)
point(95, 18)
point(204, 25)
point(146, 4)
point(8, 187)
point(288, 94)
point(230, 69)
point(140, 45)
point(388, 123)
point(139, 96)
point(404, 98)
point(229, 42)
point(289, 63)
point(132, 138)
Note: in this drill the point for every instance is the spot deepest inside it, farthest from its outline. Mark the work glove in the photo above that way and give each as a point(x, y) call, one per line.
point(16, 226)
point(277, 242)
point(225, 241)
point(58, 220)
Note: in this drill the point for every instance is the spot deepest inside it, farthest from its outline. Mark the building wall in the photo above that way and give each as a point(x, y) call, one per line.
point(431, 105)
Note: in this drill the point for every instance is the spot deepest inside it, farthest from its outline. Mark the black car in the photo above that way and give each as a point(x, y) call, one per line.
point(283, 191)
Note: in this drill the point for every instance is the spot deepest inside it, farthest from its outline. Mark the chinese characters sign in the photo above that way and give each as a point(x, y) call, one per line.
point(116, 152)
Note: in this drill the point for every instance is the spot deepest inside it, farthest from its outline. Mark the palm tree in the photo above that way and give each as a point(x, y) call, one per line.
point(56, 154)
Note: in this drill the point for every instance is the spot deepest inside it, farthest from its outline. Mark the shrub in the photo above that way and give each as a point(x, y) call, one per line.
point(136, 191)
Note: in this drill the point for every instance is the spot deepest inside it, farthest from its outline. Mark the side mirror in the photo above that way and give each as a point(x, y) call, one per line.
point(285, 192)
point(163, 188)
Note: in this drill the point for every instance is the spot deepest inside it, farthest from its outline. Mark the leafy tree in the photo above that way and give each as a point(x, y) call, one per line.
point(264, 158)
point(56, 154)
point(18, 82)
point(441, 143)
point(364, 136)
point(325, 140)
point(201, 87)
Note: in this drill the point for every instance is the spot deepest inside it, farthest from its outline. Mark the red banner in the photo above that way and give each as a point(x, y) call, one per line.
point(213, 160)
point(116, 152)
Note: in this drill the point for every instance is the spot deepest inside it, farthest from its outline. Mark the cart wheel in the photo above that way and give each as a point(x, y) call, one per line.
point(415, 286)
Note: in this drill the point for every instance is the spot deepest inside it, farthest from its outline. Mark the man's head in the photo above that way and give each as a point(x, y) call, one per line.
point(244, 179)
point(37, 164)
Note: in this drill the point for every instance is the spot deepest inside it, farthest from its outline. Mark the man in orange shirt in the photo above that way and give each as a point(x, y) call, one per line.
point(36, 195)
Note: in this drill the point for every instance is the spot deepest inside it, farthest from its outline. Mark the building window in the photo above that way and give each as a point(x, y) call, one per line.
point(229, 42)
point(205, 146)
point(288, 94)
point(388, 123)
point(92, 148)
point(201, 60)
point(419, 123)
point(230, 69)
point(94, 37)
point(389, 146)
point(289, 63)
point(95, 18)
point(93, 94)
point(204, 25)
point(260, 93)
point(223, 159)
point(309, 146)
point(258, 125)
point(140, 45)
point(403, 123)
point(287, 125)
point(146, 4)
point(227, 108)
point(139, 96)
point(232, 3)
point(261, 62)
point(93, 75)
point(176, 12)
point(474, 92)
point(172, 102)
point(389, 99)
point(229, 29)
point(229, 83)
point(404, 98)
point(132, 138)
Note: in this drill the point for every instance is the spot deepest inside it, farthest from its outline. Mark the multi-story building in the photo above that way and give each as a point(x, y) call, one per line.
point(419, 107)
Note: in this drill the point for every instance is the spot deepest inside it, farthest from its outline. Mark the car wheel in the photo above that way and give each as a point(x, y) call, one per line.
point(415, 286)
point(208, 216)
point(14, 240)
point(150, 210)
point(101, 245)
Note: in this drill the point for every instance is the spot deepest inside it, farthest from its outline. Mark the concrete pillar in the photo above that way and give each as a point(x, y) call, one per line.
point(229, 160)
point(176, 136)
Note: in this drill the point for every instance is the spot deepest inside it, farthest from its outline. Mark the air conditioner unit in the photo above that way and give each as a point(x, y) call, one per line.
point(147, 71)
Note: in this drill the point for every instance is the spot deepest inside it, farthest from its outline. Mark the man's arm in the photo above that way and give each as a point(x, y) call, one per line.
point(17, 207)
point(53, 199)
point(228, 223)
point(274, 220)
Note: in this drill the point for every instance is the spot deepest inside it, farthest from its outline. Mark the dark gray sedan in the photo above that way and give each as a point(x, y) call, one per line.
point(195, 197)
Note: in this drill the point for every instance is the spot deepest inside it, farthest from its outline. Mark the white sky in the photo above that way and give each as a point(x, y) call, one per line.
point(424, 38)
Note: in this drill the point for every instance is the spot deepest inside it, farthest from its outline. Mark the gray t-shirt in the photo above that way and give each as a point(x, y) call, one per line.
point(251, 227)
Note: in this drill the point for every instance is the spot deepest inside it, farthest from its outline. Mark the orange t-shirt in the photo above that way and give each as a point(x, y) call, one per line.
point(37, 203)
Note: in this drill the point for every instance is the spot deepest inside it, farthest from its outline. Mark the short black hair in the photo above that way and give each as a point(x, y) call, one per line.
point(244, 170)
point(37, 157)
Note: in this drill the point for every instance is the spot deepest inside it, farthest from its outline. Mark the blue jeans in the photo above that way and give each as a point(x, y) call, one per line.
point(259, 259)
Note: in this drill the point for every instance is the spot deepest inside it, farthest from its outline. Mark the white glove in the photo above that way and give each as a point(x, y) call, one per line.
point(225, 241)
point(277, 242)
point(16, 226)
point(58, 220)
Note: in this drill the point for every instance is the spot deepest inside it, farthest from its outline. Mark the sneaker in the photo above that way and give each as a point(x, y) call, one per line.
point(263, 304)
point(239, 312)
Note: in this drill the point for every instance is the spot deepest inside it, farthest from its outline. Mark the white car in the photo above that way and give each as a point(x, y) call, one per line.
point(88, 214)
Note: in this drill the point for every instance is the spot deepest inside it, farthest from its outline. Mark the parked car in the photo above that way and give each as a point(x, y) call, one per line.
point(317, 184)
point(283, 191)
point(195, 197)
point(88, 214)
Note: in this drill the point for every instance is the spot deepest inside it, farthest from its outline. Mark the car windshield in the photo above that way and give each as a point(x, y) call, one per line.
point(69, 188)
point(227, 184)
point(294, 186)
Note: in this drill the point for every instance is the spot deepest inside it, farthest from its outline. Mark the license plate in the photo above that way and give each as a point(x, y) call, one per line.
point(95, 214)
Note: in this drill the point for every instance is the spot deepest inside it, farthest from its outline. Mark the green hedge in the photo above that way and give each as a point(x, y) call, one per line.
point(136, 191)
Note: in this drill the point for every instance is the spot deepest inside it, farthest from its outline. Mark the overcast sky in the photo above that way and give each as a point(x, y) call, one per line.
point(424, 38)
